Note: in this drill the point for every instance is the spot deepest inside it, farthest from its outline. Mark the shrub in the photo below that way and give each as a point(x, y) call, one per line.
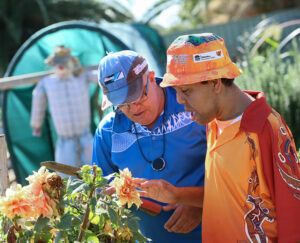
point(279, 79)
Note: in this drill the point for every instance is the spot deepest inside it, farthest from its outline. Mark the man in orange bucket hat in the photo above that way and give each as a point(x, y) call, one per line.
point(252, 172)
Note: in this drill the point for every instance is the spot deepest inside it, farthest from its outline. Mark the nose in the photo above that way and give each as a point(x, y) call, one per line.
point(134, 107)
point(60, 67)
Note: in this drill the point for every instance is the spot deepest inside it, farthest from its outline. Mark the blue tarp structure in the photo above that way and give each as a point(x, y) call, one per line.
point(89, 43)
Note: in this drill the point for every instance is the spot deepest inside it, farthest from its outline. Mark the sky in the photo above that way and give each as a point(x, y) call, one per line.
point(139, 7)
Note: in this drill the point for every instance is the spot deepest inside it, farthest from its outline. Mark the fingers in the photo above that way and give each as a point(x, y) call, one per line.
point(139, 181)
point(170, 207)
point(144, 194)
point(170, 225)
point(184, 219)
point(109, 190)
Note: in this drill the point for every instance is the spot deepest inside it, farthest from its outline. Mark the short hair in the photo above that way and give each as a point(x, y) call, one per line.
point(227, 81)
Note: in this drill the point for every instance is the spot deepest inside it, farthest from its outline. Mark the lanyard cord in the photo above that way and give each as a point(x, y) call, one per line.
point(164, 137)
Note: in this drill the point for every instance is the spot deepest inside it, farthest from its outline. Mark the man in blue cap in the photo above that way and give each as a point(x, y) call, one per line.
point(150, 134)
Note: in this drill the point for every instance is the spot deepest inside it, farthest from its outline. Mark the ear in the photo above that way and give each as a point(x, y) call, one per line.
point(217, 85)
point(152, 76)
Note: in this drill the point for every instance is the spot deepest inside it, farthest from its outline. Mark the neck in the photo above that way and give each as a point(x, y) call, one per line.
point(234, 103)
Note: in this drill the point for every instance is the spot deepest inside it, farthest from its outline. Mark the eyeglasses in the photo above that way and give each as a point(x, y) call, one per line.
point(141, 100)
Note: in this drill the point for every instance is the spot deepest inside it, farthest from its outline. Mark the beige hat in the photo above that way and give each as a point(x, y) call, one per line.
point(60, 56)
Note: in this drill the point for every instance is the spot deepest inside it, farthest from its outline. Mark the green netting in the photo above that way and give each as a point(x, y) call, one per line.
point(89, 43)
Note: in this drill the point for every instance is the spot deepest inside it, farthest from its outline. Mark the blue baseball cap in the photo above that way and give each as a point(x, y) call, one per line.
point(120, 76)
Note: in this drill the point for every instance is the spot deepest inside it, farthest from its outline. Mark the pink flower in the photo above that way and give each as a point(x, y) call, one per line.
point(40, 197)
point(126, 189)
point(16, 203)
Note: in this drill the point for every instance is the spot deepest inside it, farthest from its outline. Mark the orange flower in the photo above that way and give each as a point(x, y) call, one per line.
point(16, 203)
point(42, 202)
point(126, 189)
point(31, 201)
point(38, 179)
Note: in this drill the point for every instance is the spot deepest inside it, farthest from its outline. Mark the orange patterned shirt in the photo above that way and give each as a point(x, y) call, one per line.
point(249, 169)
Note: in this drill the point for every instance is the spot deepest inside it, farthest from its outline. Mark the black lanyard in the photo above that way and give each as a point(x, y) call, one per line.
point(157, 164)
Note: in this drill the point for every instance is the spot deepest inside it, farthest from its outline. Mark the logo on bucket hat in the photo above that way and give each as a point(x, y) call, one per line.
point(196, 58)
point(120, 77)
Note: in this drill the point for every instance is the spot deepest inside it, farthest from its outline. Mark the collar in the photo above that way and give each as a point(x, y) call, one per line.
point(122, 123)
point(256, 114)
point(69, 77)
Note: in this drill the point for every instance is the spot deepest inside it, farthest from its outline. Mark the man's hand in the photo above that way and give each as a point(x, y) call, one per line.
point(108, 190)
point(184, 219)
point(159, 190)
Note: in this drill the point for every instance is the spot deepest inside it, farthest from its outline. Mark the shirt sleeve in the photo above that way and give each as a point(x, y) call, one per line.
point(282, 171)
point(38, 106)
point(92, 76)
point(102, 149)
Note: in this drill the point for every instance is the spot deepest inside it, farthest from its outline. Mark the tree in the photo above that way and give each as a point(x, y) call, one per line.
point(194, 13)
point(19, 19)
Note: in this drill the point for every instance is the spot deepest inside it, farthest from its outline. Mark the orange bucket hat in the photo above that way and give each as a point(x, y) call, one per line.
point(196, 58)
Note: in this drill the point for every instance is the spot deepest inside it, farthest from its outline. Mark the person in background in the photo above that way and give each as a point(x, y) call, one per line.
point(252, 172)
point(150, 134)
point(67, 94)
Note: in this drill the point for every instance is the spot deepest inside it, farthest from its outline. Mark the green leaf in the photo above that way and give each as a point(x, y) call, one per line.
point(101, 183)
point(102, 220)
point(28, 233)
point(88, 178)
point(65, 222)
point(89, 236)
point(139, 237)
point(76, 221)
point(93, 239)
point(59, 235)
point(114, 204)
point(22, 240)
point(271, 42)
point(41, 223)
point(133, 225)
point(29, 223)
point(44, 237)
point(99, 172)
point(136, 218)
point(86, 169)
point(113, 216)
point(82, 188)
point(73, 185)
point(95, 219)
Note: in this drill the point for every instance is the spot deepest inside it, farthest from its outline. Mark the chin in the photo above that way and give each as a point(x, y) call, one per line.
point(202, 122)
